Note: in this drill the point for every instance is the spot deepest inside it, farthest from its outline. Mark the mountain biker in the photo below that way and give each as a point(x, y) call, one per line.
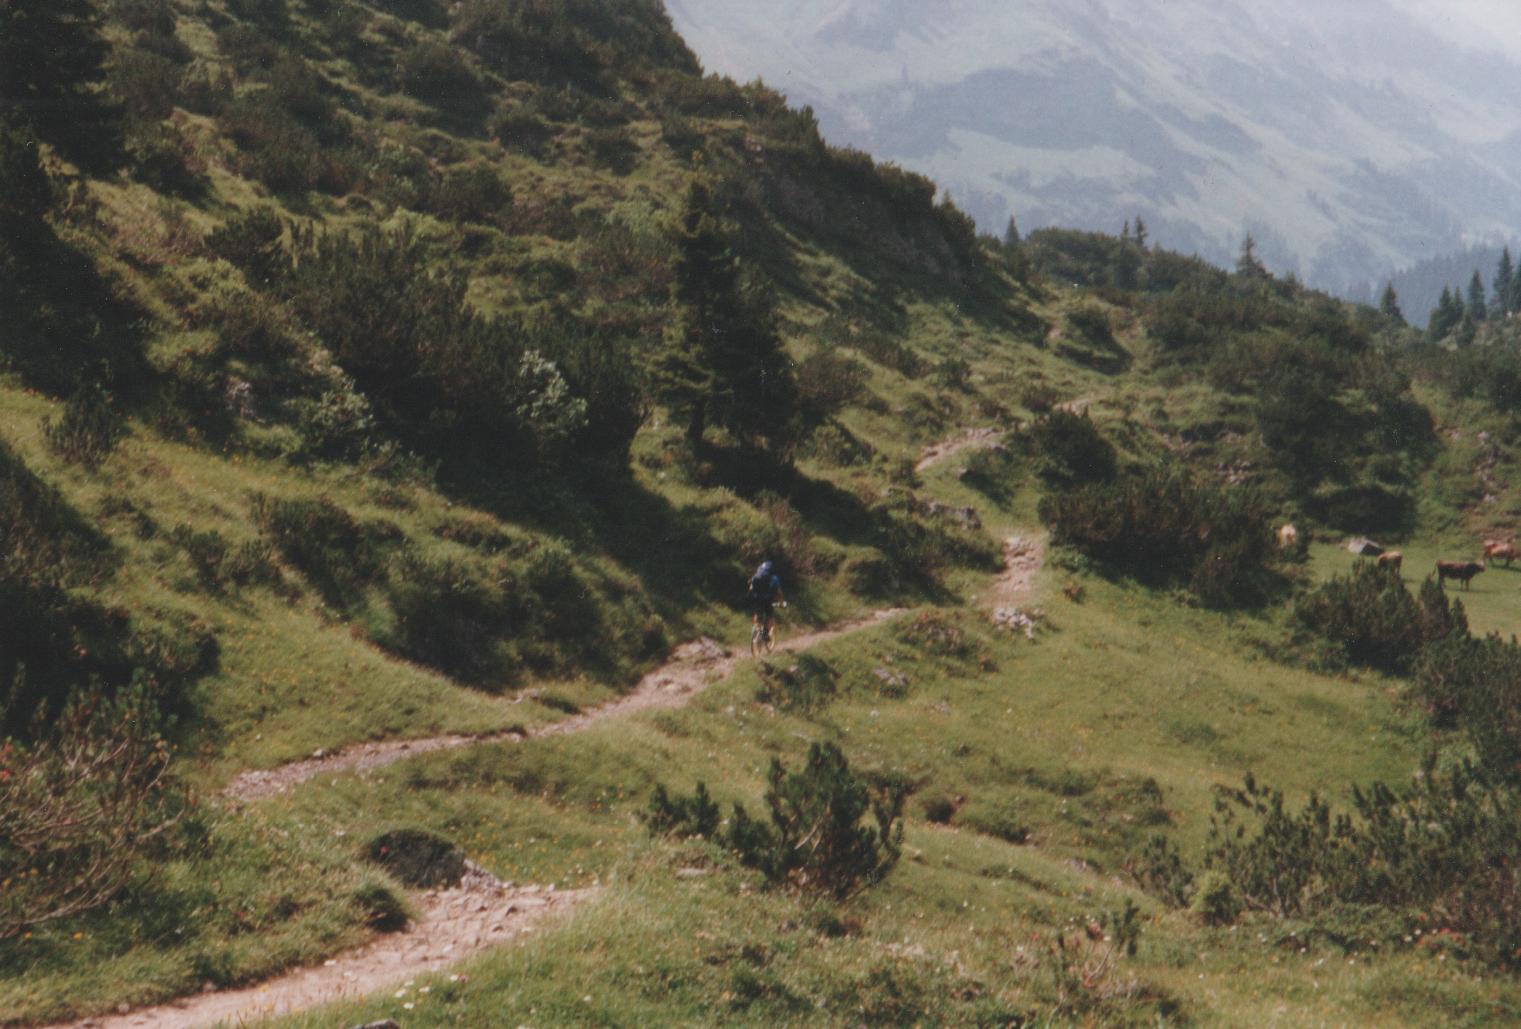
point(765, 592)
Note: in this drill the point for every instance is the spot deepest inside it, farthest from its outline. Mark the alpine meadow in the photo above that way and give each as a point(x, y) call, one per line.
point(395, 399)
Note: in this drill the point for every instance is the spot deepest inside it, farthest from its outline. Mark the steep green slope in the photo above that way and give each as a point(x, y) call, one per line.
point(349, 398)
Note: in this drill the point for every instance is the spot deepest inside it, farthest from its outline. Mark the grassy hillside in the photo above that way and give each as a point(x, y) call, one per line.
point(362, 384)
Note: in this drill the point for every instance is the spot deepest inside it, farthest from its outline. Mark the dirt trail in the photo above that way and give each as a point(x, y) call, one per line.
point(453, 924)
point(693, 667)
point(937, 452)
point(1022, 560)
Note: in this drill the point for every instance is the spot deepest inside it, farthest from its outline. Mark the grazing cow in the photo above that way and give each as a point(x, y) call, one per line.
point(1462, 571)
point(1392, 560)
point(1501, 550)
point(1288, 537)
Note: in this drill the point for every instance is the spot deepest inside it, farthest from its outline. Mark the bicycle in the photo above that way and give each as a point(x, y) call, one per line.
point(763, 634)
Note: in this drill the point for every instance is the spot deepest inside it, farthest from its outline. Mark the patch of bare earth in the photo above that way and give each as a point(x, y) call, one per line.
point(1022, 558)
point(978, 439)
point(453, 924)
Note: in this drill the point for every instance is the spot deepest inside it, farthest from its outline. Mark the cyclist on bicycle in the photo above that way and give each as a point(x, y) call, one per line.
point(765, 591)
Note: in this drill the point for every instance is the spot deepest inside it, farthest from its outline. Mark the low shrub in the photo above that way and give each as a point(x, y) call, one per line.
point(1441, 851)
point(88, 430)
point(815, 841)
point(79, 807)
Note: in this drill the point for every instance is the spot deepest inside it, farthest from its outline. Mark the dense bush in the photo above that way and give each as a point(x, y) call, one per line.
point(1439, 852)
point(1369, 618)
point(89, 428)
point(1070, 449)
point(1163, 525)
point(446, 379)
point(570, 41)
point(439, 74)
point(337, 553)
point(1474, 686)
point(815, 840)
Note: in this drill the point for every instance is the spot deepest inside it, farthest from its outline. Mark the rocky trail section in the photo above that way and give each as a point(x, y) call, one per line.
point(692, 668)
point(978, 439)
point(452, 924)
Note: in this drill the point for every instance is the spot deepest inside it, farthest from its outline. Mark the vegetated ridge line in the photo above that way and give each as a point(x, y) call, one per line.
point(693, 667)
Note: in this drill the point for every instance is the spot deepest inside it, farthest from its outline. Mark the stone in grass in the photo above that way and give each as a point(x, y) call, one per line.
point(418, 858)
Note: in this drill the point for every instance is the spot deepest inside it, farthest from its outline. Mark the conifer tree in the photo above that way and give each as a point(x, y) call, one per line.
point(1247, 264)
point(1505, 285)
point(1389, 305)
point(1011, 238)
point(1478, 308)
point(724, 361)
point(1445, 316)
point(52, 59)
point(1140, 232)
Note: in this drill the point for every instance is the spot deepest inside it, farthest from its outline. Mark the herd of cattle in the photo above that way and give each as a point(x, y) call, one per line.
point(1504, 551)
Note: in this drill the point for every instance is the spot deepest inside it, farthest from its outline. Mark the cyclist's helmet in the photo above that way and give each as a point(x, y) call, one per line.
point(764, 571)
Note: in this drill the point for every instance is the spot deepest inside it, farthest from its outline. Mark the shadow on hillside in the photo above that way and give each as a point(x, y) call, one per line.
point(66, 324)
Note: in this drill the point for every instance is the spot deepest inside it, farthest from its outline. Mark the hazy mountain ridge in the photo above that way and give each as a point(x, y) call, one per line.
point(1349, 139)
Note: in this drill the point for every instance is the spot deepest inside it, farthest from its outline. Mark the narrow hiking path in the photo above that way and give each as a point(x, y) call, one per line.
point(452, 924)
point(692, 668)
point(980, 439)
point(1023, 557)
point(481, 912)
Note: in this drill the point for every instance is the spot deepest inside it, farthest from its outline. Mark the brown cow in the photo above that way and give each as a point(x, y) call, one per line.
point(1501, 550)
point(1392, 560)
point(1462, 571)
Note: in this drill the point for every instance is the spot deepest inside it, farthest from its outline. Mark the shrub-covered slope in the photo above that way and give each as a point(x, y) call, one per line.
point(382, 370)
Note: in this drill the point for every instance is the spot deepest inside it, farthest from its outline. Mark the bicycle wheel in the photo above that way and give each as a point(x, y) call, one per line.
point(757, 639)
point(770, 636)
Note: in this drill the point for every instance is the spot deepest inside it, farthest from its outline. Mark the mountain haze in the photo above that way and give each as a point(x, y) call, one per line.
point(1349, 139)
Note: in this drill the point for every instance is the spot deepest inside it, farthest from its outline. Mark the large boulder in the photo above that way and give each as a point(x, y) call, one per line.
point(418, 858)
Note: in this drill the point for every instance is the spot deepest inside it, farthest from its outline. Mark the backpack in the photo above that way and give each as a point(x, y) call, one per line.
point(761, 586)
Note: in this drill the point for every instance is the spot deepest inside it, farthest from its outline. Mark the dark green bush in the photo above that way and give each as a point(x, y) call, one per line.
point(89, 429)
point(336, 552)
point(1070, 448)
point(1163, 525)
point(1369, 618)
point(815, 840)
point(252, 241)
point(521, 130)
point(696, 815)
point(438, 73)
point(1440, 852)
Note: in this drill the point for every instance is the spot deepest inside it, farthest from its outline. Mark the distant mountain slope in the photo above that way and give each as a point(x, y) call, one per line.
point(1349, 138)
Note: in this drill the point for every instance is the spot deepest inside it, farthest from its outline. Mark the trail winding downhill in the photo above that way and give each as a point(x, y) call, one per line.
point(693, 667)
point(481, 912)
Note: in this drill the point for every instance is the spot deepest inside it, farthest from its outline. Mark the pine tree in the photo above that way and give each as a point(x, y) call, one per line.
point(1011, 238)
point(1247, 264)
point(723, 361)
point(1125, 233)
point(1389, 304)
point(52, 58)
point(1445, 316)
point(1505, 285)
point(1478, 308)
point(1140, 232)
